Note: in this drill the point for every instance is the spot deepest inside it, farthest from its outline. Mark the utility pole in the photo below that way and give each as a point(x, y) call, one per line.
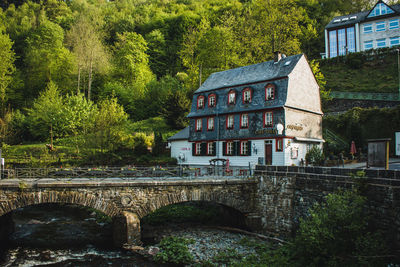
point(398, 69)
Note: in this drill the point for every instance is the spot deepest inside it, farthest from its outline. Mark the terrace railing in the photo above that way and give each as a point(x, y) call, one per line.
point(365, 96)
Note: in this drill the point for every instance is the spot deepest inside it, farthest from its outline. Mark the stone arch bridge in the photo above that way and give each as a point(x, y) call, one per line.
point(129, 201)
point(272, 201)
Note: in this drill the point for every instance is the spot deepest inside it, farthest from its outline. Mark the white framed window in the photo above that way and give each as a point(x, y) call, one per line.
point(393, 24)
point(199, 125)
point(268, 119)
point(269, 93)
point(351, 40)
point(342, 42)
point(380, 9)
point(279, 144)
point(381, 43)
point(210, 123)
point(211, 100)
point(367, 28)
point(229, 122)
point(394, 41)
point(200, 101)
point(380, 26)
point(229, 148)
point(210, 148)
point(244, 148)
point(244, 120)
point(231, 97)
point(198, 149)
point(332, 44)
point(368, 45)
point(247, 95)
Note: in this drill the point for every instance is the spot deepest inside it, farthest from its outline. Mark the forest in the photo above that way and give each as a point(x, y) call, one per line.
point(103, 76)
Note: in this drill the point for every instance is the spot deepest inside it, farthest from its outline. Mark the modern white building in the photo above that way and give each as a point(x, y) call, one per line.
point(375, 28)
point(267, 113)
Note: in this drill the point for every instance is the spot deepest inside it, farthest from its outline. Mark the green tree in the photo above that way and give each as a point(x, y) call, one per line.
point(324, 92)
point(176, 108)
point(86, 43)
point(131, 60)
point(6, 68)
point(46, 118)
point(336, 233)
point(47, 59)
point(108, 132)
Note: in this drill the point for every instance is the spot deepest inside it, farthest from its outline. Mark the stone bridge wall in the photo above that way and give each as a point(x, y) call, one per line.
point(128, 202)
point(289, 192)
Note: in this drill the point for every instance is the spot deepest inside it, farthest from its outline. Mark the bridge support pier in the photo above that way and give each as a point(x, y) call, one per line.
point(126, 229)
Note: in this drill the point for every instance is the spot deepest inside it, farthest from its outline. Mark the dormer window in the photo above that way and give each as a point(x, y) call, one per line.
point(199, 125)
point(212, 100)
point(379, 10)
point(269, 92)
point(229, 122)
point(246, 95)
point(200, 102)
point(268, 119)
point(231, 97)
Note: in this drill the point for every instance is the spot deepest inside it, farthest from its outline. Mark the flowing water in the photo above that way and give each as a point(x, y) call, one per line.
point(54, 235)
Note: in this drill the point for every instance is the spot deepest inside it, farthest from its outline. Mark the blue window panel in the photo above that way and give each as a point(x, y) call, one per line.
point(393, 24)
point(380, 26)
point(342, 41)
point(368, 45)
point(351, 40)
point(332, 44)
point(394, 41)
point(381, 43)
point(379, 10)
point(367, 28)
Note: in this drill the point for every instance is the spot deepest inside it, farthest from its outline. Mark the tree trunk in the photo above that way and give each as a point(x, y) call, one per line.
point(90, 76)
point(79, 80)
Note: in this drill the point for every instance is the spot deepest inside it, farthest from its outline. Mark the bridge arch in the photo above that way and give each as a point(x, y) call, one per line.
point(226, 199)
point(24, 199)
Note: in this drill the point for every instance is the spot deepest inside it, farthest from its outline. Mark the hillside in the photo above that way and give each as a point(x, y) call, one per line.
point(374, 71)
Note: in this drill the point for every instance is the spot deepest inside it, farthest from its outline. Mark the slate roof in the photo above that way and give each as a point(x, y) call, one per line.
point(250, 74)
point(181, 135)
point(360, 17)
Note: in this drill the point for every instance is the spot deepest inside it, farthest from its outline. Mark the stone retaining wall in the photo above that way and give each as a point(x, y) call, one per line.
point(289, 192)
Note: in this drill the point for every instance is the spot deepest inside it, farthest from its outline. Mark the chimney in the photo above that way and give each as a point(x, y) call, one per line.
point(277, 56)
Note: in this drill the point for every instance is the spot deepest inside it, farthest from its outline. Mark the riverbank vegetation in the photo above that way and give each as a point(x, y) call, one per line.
point(336, 232)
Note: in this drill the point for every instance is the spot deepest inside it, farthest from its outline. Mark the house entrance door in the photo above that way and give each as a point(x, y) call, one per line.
point(268, 152)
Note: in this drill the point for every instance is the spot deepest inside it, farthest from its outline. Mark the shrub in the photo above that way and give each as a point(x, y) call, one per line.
point(174, 250)
point(315, 156)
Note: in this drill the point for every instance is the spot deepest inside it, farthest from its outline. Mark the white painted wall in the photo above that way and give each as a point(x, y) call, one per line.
point(397, 143)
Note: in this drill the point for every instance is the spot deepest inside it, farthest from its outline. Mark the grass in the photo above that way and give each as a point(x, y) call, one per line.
point(374, 71)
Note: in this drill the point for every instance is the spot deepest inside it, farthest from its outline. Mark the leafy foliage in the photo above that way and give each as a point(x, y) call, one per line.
point(315, 156)
point(174, 250)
